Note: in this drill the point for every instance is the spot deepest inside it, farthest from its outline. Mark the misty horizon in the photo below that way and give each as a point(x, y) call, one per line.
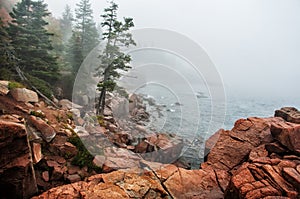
point(253, 44)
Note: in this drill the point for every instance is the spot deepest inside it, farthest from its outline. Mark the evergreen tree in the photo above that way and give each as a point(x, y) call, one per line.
point(66, 23)
point(75, 54)
point(32, 44)
point(86, 26)
point(56, 39)
point(6, 57)
point(116, 35)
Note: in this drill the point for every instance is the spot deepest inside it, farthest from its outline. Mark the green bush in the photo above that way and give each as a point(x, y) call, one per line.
point(12, 85)
point(39, 114)
point(100, 120)
point(83, 157)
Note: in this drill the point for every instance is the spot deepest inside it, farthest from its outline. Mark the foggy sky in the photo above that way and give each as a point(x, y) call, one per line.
point(255, 44)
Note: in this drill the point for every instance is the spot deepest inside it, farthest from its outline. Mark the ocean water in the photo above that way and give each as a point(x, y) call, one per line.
point(175, 113)
point(188, 101)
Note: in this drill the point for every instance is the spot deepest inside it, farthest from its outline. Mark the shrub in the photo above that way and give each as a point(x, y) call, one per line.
point(38, 113)
point(100, 120)
point(83, 157)
point(12, 85)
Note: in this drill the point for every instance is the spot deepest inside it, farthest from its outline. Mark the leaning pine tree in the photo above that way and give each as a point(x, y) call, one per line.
point(116, 35)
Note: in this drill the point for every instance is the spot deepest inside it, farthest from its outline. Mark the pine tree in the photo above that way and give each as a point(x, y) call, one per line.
point(116, 34)
point(32, 44)
point(86, 26)
point(75, 54)
point(66, 23)
point(6, 59)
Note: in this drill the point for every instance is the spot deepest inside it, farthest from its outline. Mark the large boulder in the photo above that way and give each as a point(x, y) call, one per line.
point(120, 107)
point(234, 146)
point(24, 95)
point(48, 133)
point(289, 114)
point(67, 104)
point(288, 134)
point(265, 175)
point(119, 158)
point(17, 178)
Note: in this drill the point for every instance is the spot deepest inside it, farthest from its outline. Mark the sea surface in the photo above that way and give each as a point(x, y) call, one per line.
point(196, 123)
point(185, 100)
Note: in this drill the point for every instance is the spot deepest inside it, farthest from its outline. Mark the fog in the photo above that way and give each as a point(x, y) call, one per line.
point(254, 44)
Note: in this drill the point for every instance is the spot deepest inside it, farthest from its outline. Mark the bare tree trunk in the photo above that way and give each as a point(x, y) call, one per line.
point(101, 103)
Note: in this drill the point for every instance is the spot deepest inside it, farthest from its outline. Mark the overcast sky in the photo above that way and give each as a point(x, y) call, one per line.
point(255, 44)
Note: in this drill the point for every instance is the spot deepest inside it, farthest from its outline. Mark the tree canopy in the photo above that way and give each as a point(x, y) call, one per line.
point(86, 26)
point(31, 42)
point(113, 60)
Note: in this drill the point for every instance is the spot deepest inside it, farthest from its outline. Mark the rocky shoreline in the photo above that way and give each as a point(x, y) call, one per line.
point(258, 158)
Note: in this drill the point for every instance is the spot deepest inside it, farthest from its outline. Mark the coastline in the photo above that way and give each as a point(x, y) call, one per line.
point(258, 158)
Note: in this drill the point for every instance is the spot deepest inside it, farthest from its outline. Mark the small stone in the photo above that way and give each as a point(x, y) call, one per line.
point(141, 129)
point(4, 87)
point(130, 147)
point(99, 160)
point(101, 129)
point(141, 147)
point(112, 128)
point(74, 178)
point(36, 152)
point(52, 163)
point(109, 119)
point(45, 176)
point(73, 170)
point(57, 159)
point(29, 105)
point(68, 132)
point(57, 173)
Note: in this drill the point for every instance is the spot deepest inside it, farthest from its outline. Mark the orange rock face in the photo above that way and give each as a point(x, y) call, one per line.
point(249, 161)
point(16, 174)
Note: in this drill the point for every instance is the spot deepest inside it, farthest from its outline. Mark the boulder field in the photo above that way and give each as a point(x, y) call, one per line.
point(257, 158)
point(253, 160)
